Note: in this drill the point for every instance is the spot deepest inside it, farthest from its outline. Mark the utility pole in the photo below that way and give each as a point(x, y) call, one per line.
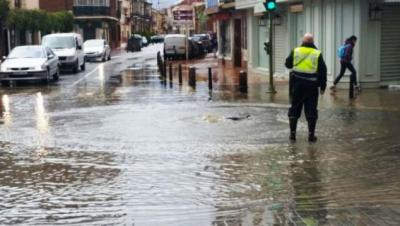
point(270, 6)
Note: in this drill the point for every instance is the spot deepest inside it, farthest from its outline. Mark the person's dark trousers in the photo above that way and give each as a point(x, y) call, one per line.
point(305, 94)
point(343, 66)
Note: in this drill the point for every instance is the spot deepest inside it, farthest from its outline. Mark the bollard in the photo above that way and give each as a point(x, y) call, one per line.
point(210, 85)
point(180, 74)
point(165, 69)
point(243, 81)
point(192, 77)
point(170, 73)
point(351, 88)
point(159, 63)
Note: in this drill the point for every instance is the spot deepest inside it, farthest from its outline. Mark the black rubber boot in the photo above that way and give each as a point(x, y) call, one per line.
point(311, 130)
point(293, 128)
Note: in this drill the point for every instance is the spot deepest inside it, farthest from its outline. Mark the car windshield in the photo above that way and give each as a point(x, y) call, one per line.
point(93, 43)
point(196, 38)
point(201, 37)
point(26, 52)
point(59, 42)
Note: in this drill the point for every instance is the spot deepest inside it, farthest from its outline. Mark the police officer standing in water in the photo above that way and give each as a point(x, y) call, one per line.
point(308, 79)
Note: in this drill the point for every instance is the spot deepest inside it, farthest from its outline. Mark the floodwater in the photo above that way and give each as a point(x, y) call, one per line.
point(107, 147)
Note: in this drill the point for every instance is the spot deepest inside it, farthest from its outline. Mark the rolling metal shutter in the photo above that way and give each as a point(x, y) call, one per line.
point(280, 48)
point(390, 43)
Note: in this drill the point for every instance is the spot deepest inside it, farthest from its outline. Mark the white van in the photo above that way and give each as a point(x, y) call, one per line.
point(175, 46)
point(69, 49)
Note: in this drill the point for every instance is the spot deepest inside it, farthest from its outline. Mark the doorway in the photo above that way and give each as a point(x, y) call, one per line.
point(89, 33)
point(238, 43)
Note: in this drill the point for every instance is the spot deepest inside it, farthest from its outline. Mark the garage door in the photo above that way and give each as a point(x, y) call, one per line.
point(390, 52)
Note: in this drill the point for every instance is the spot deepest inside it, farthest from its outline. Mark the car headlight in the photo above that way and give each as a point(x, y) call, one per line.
point(40, 67)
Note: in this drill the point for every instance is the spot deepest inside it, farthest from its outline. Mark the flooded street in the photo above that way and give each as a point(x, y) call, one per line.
point(114, 145)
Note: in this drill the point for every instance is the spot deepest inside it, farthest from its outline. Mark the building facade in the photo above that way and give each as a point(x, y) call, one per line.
point(93, 19)
point(141, 16)
point(159, 22)
point(375, 23)
point(14, 37)
point(231, 25)
point(96, 19)
point(125, 21)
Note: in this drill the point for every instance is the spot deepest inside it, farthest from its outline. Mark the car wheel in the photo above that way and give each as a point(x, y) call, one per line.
point(47, 79)
point(83, 66)
point(76, 67)
point(56, 76)
point(109, 57)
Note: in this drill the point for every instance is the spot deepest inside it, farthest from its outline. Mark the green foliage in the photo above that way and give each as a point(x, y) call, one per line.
point(63, 21)
point(147, 33)
point(4, 10)
point(39, 20)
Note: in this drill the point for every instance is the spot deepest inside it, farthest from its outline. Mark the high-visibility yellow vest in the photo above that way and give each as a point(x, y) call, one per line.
point(305, 60)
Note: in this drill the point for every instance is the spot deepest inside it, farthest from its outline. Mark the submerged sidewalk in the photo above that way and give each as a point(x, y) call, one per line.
point(226, 82)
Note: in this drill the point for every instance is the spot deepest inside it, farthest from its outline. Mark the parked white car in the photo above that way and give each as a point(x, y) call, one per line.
point(144, 42)
point(30, 63)
point(97, 49)
point(175, 46)
point(69, 49)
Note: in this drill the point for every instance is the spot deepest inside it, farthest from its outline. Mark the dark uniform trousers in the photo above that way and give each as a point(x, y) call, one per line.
point(305, 93)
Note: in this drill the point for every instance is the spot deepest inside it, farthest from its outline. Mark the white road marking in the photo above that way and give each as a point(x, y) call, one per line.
point(87, 75)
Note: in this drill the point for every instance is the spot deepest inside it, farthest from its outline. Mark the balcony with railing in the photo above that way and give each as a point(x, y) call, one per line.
point(92, 11)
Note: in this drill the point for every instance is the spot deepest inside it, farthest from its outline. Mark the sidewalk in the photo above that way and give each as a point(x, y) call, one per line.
point(226, 80)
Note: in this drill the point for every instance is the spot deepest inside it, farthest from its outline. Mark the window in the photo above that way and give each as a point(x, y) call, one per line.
point(91, 2)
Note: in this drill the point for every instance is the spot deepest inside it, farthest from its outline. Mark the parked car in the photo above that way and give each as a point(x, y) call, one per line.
point(157, 39)
point(175, 46)
point(134, 43)
point(69, 49)
point(205, 40)
point(196, 49)
point(144, 42)
point(32, 62)
point(97, 49)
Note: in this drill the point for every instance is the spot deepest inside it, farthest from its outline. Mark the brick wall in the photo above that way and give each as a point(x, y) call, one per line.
point(56, 5)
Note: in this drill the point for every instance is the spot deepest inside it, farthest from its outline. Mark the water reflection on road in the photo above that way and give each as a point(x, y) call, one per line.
point(126, 148)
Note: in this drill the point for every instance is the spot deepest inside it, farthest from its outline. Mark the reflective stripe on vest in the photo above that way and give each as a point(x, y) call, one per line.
point(305, 60)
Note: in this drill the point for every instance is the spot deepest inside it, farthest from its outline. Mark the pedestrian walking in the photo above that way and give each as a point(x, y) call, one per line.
point(308, 80)
point(345, 54)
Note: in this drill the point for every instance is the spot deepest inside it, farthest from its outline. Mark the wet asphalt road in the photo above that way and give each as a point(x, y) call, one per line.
point(115, 146)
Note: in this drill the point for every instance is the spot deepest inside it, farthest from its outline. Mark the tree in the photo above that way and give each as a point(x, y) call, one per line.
point(39, 20)
point(201, 17)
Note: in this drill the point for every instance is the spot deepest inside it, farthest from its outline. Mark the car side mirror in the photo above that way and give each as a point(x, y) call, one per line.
point(51, 56)
point(3, 58)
